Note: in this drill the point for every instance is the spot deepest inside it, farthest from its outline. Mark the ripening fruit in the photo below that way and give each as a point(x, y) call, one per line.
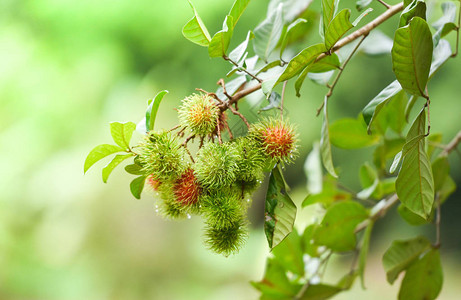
point(277, 138)
point(222, 209)
point(152, 182)
point(199, 113)
point(162, 156)
point(216, 165)
point(186, 189)
point(226, 240)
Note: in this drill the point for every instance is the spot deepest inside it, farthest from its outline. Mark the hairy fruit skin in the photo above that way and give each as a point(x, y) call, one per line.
point(186, 189)
point(277, 138)
point(222, 209)
point(199, 113)
point(227, 240)
point(252, 160)
point(216, 165)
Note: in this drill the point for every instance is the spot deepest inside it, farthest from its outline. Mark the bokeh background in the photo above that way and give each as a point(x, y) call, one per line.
point(68, 68)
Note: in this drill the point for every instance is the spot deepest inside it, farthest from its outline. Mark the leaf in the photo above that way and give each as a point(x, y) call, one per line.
point(134, 169)
point(423, 279)
point(448, 188)
point(313, 170)
point(291, 28)
point(291, 8)
point(329, 62)
point(321, 78)
point(137, 185)
point(337, 230)
point(377, 103)
point(330, 194)
point(289, 254)
point(410, 217)
point(221, 40)
point(364, 252)
point(445, 24)
point(320, 291)
point(239, 51)
point(237, 10)
point(152, 109)
point(369, 181)
point(329, 8)
point(441, 54)
point(308, 245)
point(376, 43)
point(417, 8)
point(280, 211)
point(107, 170)
point(351, 134)
point(412, 55)
point(337, 28)
point(268, 33)
point(274, 101)
point(415, 183)
point(401, 254)
point(195, 31)
point(325, 145)
point(361, 4)
point(395, 163)
point(440, 170)
point(122, 133)
point(433, 140)
point(98, 153)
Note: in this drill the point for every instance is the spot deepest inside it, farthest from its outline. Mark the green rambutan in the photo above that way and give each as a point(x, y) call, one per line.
point(216, 165)
point(162, 157)
point(277, 139)
point(252, 160)
point(186, 188)
point(222, 209)
point(227, 240)
point(199, 113)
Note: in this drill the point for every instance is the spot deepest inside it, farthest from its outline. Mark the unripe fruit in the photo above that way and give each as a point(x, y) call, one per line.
point(222, 209)
point(216, 165)
point(186, 189)
point(277, 138)
point(226, 240)
point(252, 159)
point(199, 113)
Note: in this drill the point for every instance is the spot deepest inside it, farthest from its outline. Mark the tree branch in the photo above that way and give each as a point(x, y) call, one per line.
point(452, 145)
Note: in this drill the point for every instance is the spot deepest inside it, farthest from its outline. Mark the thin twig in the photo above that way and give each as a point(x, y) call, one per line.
point(437, 224)
point(457, 33)
point(223, 85)
point(428, 105)
point(174, 128)
point(231, 135)
point(341, 70)
point(235, 112)
point(210, 94)
point(452, 144)
point(190, 137)
point(219, 130)
point(384, 3)
point(394, 199)
point(283, 98)
point(242, 69)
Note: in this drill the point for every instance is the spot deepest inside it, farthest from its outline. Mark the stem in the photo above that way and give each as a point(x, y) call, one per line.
point(452, 145)
point(283, 98)
point(437, 224)
point(394, 199)
point(457, 32)
point(384, 3)
point(341, 70)
point(235, 112)
point(428, 105)
point(241, 69)
point(219, 130)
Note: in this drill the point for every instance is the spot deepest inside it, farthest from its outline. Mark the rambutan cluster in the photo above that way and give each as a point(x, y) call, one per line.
point(219, 182)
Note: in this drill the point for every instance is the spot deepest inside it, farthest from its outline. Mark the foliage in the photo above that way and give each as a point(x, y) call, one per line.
point(217, 183)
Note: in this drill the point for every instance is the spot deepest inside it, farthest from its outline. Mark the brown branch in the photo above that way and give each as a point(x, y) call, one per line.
point(219, 130)
point(235, 112)
point(223, 85)
point(452, 144)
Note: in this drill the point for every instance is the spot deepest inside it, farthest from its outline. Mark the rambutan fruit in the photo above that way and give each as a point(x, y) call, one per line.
point(199, 113)
point(277, 139)
point(222, 209)
point(227, 240)
point(252, 160)
point(187, 189)
point(216, 165)
point(152, 182)
point(162, 156)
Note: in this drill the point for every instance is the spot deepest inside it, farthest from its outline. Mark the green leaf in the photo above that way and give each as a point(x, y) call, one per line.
point(237, 10)
point(415, 183)
point(412, 55)
point(337, 230)
point(221, 40)
point(410, 217)
point(98, 153)
point(351, 134)
point(433, 140)
point(329, 62)
point(330, 194)
point(441, 54)
point(337, 28)
point(134, 169)
point(376, 43)
point(313, 170)
point(361, 4)
point(122, 133)
point(240, 50)
point(369, 181)
point(448, 188)
point(268, 66)
point(320, 291)
point(291, 8)
point(274, 101)
point(417, 8)
point(291, 28)
point(423, 279)
point(268, 33)
point(289, 254)
point(329, 8)
point(301, 61)
point(308, 245)
point(364, 253)
point(137, 185)
point(440, 170)
point(321, 78)
point(195, 31)
point(107, 170)
point(152, 109)
point(280, 211)
point(325, 144)
point(445, 24)
point(401, 254)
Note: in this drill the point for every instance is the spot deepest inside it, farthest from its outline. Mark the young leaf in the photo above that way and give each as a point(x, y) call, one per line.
point(152, 108)
point(415, 183)
point(412, 55)
point(280, 211)
point(423, 279)
point(137, 185)
point(301, 61)
point(98, 153)
point(237, 54)
point(417, 8)
point(112, 164)
point(237, 10)
point(195, 31)
point(268, 33)
point(401, 254)
point(338, 225)
point(122, 133)
point(337, 28)
point(351, 134)
point(364, 252)
point(325, 144)
point(329, 8)
point(221, 40)
point(313, 170)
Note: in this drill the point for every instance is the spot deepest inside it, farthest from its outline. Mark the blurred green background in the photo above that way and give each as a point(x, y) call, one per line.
point(68, 68)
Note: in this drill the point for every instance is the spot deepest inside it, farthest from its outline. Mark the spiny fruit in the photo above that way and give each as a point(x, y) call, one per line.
point(227, 240)
point(162, 156)
point(216, 165)
point(186, 189)
point(222, 209)
point(199, 113)
point(252, 159)
point(277, 138)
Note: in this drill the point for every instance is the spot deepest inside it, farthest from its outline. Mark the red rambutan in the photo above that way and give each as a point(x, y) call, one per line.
point(186, 189)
